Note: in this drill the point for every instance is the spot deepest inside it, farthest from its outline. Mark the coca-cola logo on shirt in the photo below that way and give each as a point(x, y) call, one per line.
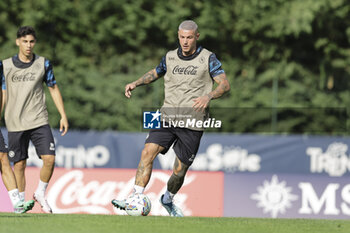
point(189, 70)
point(23, 77)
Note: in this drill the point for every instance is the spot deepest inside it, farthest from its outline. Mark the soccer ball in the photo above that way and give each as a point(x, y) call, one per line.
point(138, 205)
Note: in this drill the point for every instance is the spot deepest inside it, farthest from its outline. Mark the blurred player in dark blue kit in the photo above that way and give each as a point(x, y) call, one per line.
point(189, 72)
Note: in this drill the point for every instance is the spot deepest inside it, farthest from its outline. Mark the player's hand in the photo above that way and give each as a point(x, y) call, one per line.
point(201, 103)
point(64, 125)
point(128, 88)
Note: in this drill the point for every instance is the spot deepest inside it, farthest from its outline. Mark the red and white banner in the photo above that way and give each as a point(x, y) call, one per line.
point(91, 191)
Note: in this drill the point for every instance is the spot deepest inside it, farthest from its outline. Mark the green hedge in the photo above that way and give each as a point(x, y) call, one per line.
point(276, 53)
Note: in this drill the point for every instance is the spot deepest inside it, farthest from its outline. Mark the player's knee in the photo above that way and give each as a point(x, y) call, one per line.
point(180, 169)
point(148, 154)
point(3, 157)
point(4, 162)
point(146, 157)
point(180, 173)
point(20, 165)
point(48, 160)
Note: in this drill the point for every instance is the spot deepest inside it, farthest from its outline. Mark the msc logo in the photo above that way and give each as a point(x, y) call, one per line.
point(151, 120)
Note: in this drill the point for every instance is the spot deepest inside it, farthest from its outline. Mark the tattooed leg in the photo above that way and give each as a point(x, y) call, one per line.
point(144, 170)
point(176, 180)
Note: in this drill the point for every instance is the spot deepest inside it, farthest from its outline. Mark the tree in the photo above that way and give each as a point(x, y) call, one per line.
point(287, 61)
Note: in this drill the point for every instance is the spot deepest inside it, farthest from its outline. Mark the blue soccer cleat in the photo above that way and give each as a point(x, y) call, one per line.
point(120, 204)
point(172, 209)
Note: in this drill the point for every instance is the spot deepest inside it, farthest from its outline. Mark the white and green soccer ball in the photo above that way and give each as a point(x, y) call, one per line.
point(138, 205)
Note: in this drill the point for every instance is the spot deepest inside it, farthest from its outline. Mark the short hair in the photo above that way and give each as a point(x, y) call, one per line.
point(188, 25)
point(26, 30)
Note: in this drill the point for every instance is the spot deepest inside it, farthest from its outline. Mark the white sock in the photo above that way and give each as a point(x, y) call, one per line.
point(14, 196)
point(138, 189)
point(168, 197)
point(42, 186)
point(22, 196)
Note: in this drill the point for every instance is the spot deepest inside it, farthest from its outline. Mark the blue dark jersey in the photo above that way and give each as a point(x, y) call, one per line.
point(49, 77)
point(214, 64)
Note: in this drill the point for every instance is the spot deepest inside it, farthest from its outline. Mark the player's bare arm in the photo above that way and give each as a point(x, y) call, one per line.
point(202, 102)
point(57, 99)
point(147, 78)
point(3, 100)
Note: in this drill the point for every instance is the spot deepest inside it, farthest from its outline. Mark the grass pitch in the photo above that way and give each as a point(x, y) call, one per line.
point(71, 223)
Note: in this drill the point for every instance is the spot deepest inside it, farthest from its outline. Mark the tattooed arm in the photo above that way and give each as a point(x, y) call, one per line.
point(202, 102)
point(147, 78)
point(223, 86)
